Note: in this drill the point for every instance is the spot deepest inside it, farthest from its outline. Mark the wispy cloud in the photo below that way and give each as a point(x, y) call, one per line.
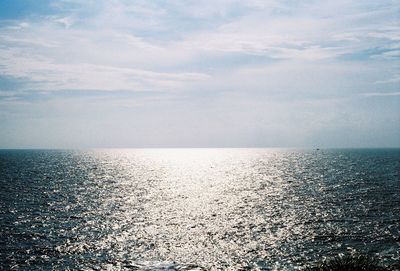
point(381, 94)
point(226, 63)
point(50, 76)
point(120, 41)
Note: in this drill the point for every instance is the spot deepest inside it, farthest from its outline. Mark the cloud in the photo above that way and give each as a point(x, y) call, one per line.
point(52, 76)
point(117, 42)
point(202, 71)
point(393, 79)
point(67, 22)
point(381, 94)
point(55, 58)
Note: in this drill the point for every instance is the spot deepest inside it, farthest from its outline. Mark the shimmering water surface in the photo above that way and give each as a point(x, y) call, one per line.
point(196, 209)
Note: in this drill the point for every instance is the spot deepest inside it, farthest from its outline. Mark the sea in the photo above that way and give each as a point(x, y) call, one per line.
point(197, 209)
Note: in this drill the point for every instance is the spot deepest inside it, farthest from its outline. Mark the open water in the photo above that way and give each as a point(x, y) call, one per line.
point(196, 209)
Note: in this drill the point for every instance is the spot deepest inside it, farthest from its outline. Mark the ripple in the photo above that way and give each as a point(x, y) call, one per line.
point(196, 209)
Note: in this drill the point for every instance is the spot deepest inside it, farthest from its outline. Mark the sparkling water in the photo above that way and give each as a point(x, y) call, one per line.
point(196, 209)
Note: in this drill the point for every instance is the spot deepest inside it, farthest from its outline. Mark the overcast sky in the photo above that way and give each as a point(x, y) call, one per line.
point(217, 73)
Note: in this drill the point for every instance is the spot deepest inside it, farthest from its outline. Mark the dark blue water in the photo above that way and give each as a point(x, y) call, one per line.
point(195, 209)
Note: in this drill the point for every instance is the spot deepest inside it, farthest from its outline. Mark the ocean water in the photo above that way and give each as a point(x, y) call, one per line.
point(196, 209)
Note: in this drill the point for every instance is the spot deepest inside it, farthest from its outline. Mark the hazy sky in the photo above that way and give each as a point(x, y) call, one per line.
point(199, 73)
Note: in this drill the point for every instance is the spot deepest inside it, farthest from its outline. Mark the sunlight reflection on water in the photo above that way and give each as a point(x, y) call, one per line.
point(198, 208)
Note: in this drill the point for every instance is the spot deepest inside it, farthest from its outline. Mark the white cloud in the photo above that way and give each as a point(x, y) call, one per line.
point(84, 76)
point(249, 71)
point(121, 41)
point(381, 94)
point(395, 54)
point(394, 79)
point(67, 22)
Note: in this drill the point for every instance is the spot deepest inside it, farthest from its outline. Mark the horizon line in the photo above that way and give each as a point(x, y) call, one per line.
point(237, 147)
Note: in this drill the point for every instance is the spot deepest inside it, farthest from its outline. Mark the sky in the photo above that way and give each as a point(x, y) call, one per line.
point(204, 73)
